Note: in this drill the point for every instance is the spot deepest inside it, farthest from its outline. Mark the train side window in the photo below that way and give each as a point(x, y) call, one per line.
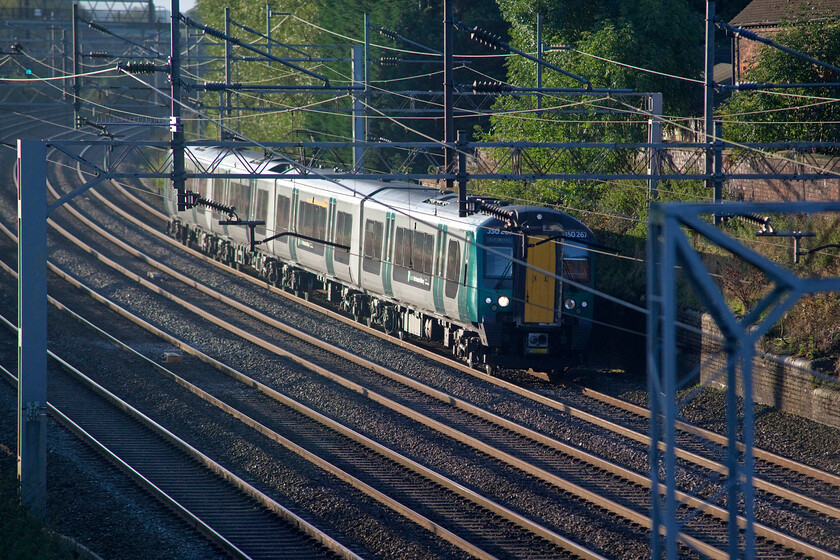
point(343, 235)
point(423, 252)
point(439, 254)
point(402, 250)
point(312, 222)
point(413, 258)
point(218, 190)
point(261, 210)
point(240, 198)
point(281, 217)
point(372, 246)
point(453, 266)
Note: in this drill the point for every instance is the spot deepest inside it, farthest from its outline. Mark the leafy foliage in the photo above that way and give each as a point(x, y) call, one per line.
point(661, 35)
point(25, 538)
point(799, 114)
point(597, 33)
point(326, 31)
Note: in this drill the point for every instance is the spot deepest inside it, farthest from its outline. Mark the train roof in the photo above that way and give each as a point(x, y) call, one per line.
point(417, 199)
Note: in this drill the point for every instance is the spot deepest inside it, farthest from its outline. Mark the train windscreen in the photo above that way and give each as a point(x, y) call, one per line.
point(498, 257)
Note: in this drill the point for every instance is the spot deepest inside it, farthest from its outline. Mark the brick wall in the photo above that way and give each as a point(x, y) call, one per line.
point(771, 190)
point(746, 50)
point(765, 190)
point(790, 386)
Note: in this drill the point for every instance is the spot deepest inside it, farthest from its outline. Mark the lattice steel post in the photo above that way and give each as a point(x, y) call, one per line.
point(661, 297)
point(654, 138)
point(32, 325)
point(669, 247)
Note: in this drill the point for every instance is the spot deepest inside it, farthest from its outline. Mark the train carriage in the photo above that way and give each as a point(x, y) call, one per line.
point(397, 255)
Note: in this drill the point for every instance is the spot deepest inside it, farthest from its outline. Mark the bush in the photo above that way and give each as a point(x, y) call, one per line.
point(25, 538)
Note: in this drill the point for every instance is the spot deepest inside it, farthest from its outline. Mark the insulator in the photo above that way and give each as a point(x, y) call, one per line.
point(221, 208)
point(219, 35)
point(213, 32)
point(388, 33)
point(497, 211)
point(214, 86)
point(138, 67)
point(98, 54)
point(491, 87)
point(389, 61)
point(485, 37)
point(17, 48)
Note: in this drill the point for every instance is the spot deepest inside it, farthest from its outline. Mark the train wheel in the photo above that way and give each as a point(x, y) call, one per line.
point(471, 359)
point(490, 369)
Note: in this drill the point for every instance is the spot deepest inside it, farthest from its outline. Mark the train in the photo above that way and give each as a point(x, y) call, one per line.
point(507, 286)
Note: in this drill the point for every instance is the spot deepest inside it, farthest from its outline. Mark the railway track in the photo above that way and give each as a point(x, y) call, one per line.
point(810, 488)
point(483, 525)
point(502, 537)
point(439, 405)
point(231, 513)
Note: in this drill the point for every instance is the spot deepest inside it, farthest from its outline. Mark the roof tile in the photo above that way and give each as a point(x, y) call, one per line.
point(765, 13)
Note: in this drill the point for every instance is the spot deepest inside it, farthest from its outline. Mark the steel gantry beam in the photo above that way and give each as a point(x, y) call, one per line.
point(670, 249)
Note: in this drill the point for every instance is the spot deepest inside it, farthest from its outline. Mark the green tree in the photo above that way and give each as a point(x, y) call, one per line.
point(799, 114)
point(660, 35)
point(335, 26)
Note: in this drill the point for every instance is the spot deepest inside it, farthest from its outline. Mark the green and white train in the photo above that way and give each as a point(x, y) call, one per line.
point(507, 286)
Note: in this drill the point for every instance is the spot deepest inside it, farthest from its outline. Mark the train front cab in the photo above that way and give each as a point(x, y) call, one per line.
point(547, 321)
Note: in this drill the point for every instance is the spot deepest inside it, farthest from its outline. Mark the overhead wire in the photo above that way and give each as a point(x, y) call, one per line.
point(774, 155)
point(114, 110)
point(777, 110)
point(314, 172)
point(35, 78)
point(639, 68)
point(408, 129)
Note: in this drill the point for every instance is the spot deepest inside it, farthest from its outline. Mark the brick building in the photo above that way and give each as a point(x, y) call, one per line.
point(767, 17)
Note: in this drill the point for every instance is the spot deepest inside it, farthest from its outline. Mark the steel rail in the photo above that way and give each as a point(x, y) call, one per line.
point(422, 521)
point(370, 491)
point(578, 491)
point(758, 453)
point(224, 474)
point(138, 477)
point(552, 479)
point(773, 535)
point(642, 438)
point(432, 527)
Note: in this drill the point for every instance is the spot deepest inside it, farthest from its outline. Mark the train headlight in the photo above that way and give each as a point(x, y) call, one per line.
point(569, 304)
point(584, 304)
point(488, 301)
point(504, 301)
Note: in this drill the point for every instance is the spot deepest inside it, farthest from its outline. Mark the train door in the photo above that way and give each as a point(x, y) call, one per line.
point(293, 223)
point(540, 284)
